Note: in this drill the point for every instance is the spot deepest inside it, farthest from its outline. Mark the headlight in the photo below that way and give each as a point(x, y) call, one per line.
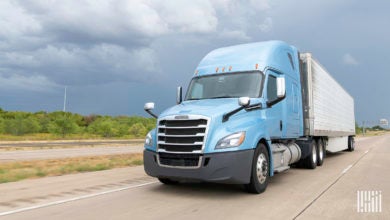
point(149, 139)
point(233, 140)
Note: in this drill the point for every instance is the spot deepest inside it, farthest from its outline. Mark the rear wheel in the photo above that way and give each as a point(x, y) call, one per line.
point(351, 143)
point(168, 181)
point(311, 160)
point(321, 152)
point(260, 171)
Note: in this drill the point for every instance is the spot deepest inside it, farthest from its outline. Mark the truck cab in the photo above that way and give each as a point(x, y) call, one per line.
point(240, 122)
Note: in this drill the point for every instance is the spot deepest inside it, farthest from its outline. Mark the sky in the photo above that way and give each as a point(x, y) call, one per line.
point(115, 55)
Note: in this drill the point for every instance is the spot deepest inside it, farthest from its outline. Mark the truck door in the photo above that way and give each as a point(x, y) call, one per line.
point(274, 114)
point(293, 116)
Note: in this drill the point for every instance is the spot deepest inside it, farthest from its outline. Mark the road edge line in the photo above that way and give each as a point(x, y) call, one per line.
point(74, 199)
point(333, 183)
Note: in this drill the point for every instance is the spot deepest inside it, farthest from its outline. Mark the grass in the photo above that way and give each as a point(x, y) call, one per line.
point(48, 136)
point(16, 171)
point(61, 146)
point(370, 133)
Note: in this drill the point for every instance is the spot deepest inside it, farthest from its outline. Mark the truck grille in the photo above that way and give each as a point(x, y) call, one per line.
point(182, 134)
point(180, 160)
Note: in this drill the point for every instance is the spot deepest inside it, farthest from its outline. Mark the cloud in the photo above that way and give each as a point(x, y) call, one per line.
point(348, 59)
point(87, 42)
point(234, 34)
point(31, 83)
point(266, 26)
point(76, 66)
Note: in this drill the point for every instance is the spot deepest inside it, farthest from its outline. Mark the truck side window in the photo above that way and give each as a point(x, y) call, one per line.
point(271, 88)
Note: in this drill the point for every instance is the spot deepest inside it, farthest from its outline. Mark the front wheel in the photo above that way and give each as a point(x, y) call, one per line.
point(260, 171)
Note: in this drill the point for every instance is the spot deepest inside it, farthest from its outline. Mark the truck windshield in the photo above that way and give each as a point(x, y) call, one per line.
point(230, 85)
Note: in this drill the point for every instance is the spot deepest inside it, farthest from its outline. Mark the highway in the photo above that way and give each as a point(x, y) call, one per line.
point(328, 192)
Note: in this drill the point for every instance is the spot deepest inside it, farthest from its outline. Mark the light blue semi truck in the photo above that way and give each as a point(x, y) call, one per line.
point(250, 111)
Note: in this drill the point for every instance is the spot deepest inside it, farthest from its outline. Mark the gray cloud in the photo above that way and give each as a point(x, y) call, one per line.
point(136, 50)
point(92, 42)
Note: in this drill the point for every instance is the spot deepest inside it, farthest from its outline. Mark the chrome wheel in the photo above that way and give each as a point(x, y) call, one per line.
point(262, 168)
point(259, 170)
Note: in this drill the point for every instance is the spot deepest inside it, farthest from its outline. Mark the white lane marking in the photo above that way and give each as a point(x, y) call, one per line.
point(73, 199)
point(346, 169)
point(366, 151)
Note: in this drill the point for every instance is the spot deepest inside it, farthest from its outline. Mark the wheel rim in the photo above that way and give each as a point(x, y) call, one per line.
point(262, 168)
point(321, 151)
point(314, 154)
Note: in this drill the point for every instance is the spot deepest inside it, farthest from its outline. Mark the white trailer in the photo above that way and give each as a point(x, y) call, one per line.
point(328, 109)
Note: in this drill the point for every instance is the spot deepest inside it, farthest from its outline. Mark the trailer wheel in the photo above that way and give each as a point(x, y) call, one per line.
point(321, 152)
point(351, 143)
point(167, 181)
point(260, 171)
point(311, 160)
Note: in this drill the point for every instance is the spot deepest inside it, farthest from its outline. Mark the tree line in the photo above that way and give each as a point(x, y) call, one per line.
point(65, 123)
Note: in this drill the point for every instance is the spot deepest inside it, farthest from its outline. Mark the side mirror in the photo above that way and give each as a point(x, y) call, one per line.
point(148, 107)
point(281, 87)
point(244, 101)
point(179, 95)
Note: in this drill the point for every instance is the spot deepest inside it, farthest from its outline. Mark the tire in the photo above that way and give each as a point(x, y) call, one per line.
point(167, 181)
point(260, 171)
point(351, 143)
point(310, 161)
point(321, 153)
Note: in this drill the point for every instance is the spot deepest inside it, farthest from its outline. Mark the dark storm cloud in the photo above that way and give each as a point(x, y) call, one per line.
point(147, 47)
point(93, 42)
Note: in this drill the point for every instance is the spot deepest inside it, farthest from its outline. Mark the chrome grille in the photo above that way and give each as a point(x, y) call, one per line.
point(182, 134)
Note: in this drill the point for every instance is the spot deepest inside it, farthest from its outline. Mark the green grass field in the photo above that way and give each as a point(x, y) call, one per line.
point(16, 171)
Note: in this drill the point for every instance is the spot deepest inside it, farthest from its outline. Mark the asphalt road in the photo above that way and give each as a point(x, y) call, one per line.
point(328, 192)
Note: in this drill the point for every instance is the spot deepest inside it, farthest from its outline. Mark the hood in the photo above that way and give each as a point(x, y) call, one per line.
point(207, 107)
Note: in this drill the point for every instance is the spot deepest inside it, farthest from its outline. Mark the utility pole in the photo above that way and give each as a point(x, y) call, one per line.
point(64, 110)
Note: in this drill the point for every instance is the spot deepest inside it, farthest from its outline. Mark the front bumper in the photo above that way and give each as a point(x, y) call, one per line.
point(228, 167)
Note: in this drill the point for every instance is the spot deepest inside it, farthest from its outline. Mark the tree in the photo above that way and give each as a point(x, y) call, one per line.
point(358, 129)
point(377, 128)
point(2, 126)
point(21, 124)
point(138, 130)
point(105, 127)
point(63, 125)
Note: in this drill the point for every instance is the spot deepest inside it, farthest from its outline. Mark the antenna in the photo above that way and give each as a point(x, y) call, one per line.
point(64, 110)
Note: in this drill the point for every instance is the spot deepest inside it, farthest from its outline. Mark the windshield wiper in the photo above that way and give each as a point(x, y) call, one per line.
point(221, 97)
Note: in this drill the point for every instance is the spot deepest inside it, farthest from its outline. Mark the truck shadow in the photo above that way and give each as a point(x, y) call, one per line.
point(209, 190)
